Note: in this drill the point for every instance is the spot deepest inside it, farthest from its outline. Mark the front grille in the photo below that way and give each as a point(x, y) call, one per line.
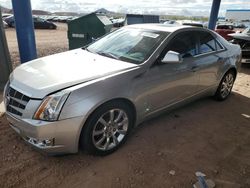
point(15, 101)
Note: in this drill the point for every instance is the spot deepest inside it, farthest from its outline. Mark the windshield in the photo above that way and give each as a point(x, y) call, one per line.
point(128, 44)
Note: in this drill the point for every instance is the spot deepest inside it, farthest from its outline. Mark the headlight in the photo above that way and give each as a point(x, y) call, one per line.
point(51, 106)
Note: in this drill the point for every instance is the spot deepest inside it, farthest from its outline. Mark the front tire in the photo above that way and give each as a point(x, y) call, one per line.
point(225, 86)
point(107, 128)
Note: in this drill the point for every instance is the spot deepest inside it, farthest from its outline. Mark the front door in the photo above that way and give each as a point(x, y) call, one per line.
point(170, 83)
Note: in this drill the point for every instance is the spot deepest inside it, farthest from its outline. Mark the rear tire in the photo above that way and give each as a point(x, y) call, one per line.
point(107, 128)
point(225, 86)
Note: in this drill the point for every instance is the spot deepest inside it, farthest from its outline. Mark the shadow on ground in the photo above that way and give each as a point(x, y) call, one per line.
point(245, 68)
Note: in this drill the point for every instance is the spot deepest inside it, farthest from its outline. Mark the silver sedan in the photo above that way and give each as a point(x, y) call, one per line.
point(94, 96)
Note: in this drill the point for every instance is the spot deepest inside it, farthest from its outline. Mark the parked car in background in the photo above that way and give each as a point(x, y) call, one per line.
point(10, 21)
point(6, 15)
point(240, 26)
point(39, 23)
point(118, 22)
point(243, 39)
point(51, 18)
point(224, 30)
point(170, 22)
point(189, 23)
point(92, 97)
point(5, 25)
point(193, 24)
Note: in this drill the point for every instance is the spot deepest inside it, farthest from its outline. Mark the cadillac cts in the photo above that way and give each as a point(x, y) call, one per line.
point(93, 97)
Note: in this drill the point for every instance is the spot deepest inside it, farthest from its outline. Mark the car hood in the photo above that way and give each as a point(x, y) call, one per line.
point(40, 77)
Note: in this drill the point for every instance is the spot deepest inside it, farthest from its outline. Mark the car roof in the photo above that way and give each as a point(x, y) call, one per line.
point(160, 27)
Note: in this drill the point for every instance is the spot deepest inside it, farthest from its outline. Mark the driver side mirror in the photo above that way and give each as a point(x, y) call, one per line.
point(172, 57)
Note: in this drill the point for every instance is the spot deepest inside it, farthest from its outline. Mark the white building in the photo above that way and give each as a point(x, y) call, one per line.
point(238, 14)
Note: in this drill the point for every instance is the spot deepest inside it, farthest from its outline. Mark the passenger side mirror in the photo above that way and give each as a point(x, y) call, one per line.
point(172, 57)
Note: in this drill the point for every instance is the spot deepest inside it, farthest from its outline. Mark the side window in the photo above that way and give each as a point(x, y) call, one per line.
point(183, 43)
point(207, 43)
point(219, 46)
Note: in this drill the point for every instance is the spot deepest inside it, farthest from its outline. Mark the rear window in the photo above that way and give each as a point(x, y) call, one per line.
point(219, 46)
point(207, 43)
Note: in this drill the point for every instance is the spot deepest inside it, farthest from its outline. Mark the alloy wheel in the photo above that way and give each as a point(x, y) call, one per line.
point(227, 85)
point(110, 129)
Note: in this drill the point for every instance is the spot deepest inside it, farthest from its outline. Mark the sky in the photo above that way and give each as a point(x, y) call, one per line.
point(165, 7)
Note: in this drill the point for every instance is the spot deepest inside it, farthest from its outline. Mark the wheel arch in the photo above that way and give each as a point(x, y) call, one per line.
point(216, 94)
point(233, 69)
point(121, 99)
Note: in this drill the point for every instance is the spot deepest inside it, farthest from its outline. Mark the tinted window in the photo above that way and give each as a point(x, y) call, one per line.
point(183, 43)
point(207, 43)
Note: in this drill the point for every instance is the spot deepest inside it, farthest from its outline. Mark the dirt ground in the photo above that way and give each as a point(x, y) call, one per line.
point(208, 136)
point(47, 42)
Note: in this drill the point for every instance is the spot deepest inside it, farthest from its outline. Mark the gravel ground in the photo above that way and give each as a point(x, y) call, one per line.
point(208, 136)
point(47, 41)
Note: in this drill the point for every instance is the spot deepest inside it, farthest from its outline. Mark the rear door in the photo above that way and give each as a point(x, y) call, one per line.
point(208, 60)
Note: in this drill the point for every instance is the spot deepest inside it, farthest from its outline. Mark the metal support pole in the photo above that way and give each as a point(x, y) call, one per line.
point(214, 14)
point(5, 62)
point(24, 29)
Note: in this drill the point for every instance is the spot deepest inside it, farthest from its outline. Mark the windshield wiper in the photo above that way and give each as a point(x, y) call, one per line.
point(107, 54)
point(86, 48)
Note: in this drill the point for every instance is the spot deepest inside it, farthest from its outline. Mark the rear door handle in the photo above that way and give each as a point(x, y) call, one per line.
point(194, 68)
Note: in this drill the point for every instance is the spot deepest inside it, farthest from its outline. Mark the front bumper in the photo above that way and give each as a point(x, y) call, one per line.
point(53, 138)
